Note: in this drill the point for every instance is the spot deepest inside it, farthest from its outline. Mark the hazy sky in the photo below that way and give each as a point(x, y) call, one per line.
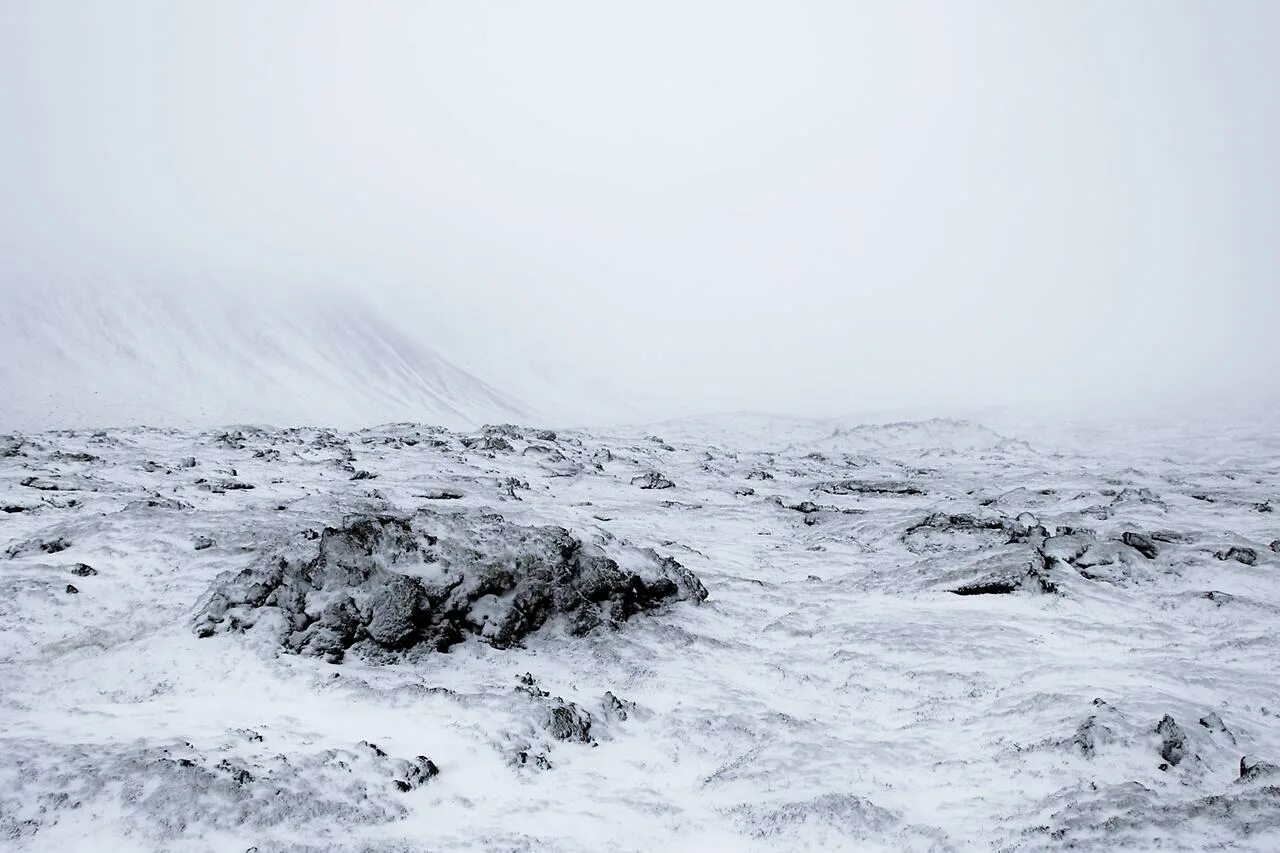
point(786, 206)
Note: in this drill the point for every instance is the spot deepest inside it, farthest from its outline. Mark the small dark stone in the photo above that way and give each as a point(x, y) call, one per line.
point(1250, 769)
point(1247, 556)
point(652, 480)
point(83, 570)
point(1140, 543)
point(72, 590)
point(55, 545)
point(203, 542)
point(1173, 745)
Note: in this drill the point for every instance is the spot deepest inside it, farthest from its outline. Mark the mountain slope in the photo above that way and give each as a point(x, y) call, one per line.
point(78, 356)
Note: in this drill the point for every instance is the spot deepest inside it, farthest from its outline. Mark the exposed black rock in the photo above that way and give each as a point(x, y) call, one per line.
point(1251, 769)
point(1140, 543)
point(1173, 743)
point(442, 494)
point(759, 474)
point(202, 542)
point(222, 485)
point(1093, 732)
point(1275, 545)
point(53, 546)
point(416, 773)
point(392, 584)
point(72, 590)
point(1248, 556)
point(38, 484)
point(652, 480)
point(566, 721)
point(157, 503)
point(1032, 577)
point(962, 522)
point(83, 570)
point(859, 487)
point(364, 475)
point(617, 709)
point(1213, 723)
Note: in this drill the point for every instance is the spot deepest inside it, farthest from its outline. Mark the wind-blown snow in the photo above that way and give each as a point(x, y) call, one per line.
point(72, 357)
point(1111, 660)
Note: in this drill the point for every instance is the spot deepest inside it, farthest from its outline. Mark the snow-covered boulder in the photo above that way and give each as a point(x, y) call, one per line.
point(389, 584)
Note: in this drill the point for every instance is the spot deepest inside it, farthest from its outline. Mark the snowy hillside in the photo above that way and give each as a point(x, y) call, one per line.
point(81, 356)
point(903, 637)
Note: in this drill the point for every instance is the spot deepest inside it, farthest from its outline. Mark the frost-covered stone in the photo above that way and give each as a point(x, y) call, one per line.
point(429, 580)
point(652, 480)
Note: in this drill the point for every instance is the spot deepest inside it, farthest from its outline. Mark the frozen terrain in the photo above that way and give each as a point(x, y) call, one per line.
point(74, 356)
point(926, 636)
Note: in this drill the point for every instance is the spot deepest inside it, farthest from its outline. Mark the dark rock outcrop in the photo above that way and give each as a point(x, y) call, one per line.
point(1240, 554)
point(1140, 543)
point(652, 480)
point(388, 585)
point(1173, 741)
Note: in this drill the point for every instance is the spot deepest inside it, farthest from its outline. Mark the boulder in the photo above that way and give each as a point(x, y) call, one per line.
point(390, 585)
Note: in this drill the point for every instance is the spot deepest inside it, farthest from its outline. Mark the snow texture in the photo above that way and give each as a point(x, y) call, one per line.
point(923, 636)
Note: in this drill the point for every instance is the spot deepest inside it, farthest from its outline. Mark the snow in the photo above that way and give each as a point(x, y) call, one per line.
point(832, 692)
point(85, 357)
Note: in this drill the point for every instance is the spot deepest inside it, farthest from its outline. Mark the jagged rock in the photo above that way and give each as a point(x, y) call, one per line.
point(1250, 769)
point(805, 507)
point(441, 494)
point(744, 491)
point(1248, 556)
point(83, 570)
point(1138, 496)
point(1093, 732)
point(391, 584)
point(72, 590)
point(615, 708)
point(218, 487)
point(1173, 743)
point(416, 773)
point(38, 484)
point(53, 546)
point(652, 480)
point(962, 522)
point(859, 487)
point(202, 542)
point(1140, 543)
point(157, 503)
point(759, 474)
point(1213, 723)
point(364, 475)
point(1032, 576)
point(1275, 545)
point(567, 721)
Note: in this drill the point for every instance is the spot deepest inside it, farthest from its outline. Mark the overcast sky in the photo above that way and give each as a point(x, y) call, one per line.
point(800, 207)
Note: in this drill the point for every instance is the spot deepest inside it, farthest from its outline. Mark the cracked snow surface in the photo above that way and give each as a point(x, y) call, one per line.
point(731, 633)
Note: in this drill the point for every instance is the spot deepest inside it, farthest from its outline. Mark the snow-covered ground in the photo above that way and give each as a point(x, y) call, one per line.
point(93, 356)
point(918, 636)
